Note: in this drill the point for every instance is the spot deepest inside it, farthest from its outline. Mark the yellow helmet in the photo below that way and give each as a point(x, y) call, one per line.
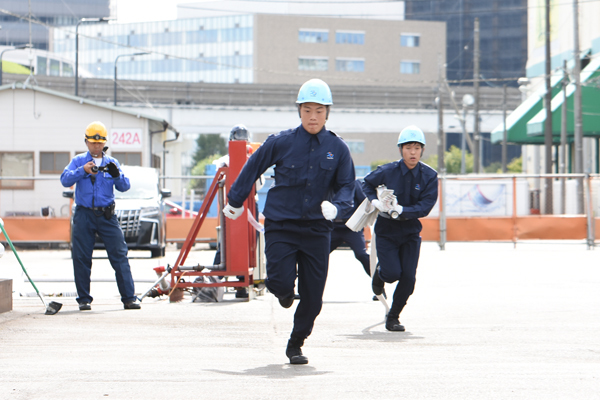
point(96, 132)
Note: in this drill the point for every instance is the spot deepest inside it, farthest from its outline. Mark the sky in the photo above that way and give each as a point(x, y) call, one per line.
point(147, 10)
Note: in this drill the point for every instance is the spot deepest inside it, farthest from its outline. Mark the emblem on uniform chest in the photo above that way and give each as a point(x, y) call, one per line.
point(329, 155)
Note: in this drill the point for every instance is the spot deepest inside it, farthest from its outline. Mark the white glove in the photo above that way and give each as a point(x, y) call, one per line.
point(329, 210)
point(379, 205)
point(232, 212)
point(396, 207)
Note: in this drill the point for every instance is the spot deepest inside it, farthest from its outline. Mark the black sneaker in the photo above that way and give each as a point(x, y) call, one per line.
point(377, 283)
point(85, 307)
point(132, 305)
point(286, 302)
point(393, 324)
point(294, 353)
point(241, 293)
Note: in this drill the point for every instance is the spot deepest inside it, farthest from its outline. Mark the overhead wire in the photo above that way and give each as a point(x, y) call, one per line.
point(350, 79)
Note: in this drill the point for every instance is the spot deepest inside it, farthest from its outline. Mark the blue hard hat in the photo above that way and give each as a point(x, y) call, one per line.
point(411, 134)
point(315, 91)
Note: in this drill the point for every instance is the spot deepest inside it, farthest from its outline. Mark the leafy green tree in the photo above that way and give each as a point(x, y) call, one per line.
point(494, 168)
point(209, 145)
point(200, 169)
point(453, 160)
point(515, 166)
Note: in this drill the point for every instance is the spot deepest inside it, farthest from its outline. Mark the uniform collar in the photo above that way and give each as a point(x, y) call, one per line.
point(307, 136)
point(405, 169)
point(89, 157)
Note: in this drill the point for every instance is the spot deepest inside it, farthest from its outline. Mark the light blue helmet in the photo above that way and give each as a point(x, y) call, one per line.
point(411, 134)
point(315, 91)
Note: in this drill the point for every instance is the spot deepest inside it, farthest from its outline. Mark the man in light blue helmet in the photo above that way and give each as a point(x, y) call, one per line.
point(398, 240)
point(314, 182)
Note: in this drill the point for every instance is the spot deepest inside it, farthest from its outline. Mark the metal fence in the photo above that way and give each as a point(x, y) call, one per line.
point(564, 206)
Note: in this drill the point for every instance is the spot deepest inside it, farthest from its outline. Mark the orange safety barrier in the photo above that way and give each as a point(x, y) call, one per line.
point(538, 227)
point(178, 229)
point(458, 229)
point(35, 230)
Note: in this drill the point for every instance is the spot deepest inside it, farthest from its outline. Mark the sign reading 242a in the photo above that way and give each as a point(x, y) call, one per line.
point(126, 139)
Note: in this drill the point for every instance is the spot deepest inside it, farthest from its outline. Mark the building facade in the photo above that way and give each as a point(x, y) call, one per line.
point(503, 36)
point(46, 13)
point(258, 48)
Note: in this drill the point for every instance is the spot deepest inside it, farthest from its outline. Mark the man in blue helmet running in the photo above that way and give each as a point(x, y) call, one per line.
point(398, 240)
point(314, 182)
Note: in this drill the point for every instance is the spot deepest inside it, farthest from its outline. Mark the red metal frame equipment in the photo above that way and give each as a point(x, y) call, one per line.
point(237, 241)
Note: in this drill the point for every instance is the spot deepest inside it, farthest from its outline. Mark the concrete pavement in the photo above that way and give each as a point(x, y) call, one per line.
point(486, 321)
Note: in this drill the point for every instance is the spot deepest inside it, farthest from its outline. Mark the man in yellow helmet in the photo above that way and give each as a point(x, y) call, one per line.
point(96, 175)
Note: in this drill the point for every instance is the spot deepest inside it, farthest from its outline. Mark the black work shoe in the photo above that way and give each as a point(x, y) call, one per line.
point(392, 324)
point(85, 307)
point(241, 293)
point(286, 302)
point(384, 296)
point(132, 305)
point(377, 283)
point(294, 353)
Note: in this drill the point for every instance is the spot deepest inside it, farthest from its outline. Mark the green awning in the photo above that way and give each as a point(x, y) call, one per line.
point(590, 107)
point(516, 122)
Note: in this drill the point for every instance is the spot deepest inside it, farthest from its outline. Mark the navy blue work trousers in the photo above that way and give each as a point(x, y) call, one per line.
point(86, 223)
point(398, 254)
point(299, 248)
point(356, 240)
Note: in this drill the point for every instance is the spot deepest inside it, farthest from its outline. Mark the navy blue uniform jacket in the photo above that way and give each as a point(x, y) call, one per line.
point(308, 170)
point(416, 190)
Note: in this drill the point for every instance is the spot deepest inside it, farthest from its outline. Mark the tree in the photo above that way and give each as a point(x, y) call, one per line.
point(200, 169)
point(516, 165)
point(209, 145)
point(453, 161)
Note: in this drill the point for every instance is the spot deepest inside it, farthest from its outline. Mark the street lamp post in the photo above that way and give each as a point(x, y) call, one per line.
point(20, 47)
point(467, 101)
point(103, 19)
point(117, 59)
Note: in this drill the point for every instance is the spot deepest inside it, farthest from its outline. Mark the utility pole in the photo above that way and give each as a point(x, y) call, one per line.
point(548, 122)
point(504, 129)
point(440, 106)
point(578, 132)
point(476, 138)
point(562, 165)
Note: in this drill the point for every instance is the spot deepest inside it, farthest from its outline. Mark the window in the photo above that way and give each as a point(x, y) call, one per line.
point(53, 162)
point(42, 66)
point(409, 40)
point(410, 67)
point(350, 64)
point(16, 164)
point(349, 37)
point(54, 67)
point(313, 36)
point(313, 64)
point(67, 70)
point(128, 158)
point(356, 146)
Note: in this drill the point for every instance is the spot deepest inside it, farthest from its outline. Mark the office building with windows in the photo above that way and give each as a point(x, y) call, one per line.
point(502, 32)
point(44, 13)
point(260, 48)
